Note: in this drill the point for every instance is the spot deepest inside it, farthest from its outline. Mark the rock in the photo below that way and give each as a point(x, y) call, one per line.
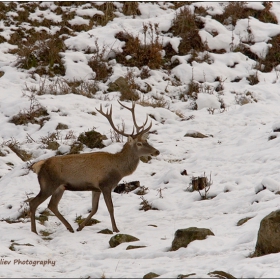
point(61, 126)
point(272, 136)
point(118, 85)
point(269, 235)
point(152, 225)
point(121, 238)
point(150, 275)
point(185, 236)
point(127, 187)
point(52, 145)
point(221, 274)
point(130, 247)
point(276, 127)
point(243, 221)
point(195, 134)
point(125, 87)
point(92, 139)
point(182, 276)
point(276, 130)
point(105, 231)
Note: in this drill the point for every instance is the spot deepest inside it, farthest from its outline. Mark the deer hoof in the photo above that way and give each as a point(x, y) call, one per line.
point(71, 230)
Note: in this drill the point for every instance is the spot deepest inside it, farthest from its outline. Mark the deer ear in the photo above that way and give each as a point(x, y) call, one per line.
point(144, 136)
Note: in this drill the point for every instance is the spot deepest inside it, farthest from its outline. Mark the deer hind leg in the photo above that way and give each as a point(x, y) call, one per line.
point(33, 204)
point(95, 202)
point(54, 203)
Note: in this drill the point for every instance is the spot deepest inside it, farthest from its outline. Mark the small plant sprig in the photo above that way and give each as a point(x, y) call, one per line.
point(146, 205)
point(159, 192)
point(116, 137)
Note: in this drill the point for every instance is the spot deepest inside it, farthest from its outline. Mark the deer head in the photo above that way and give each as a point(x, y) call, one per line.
point(139, 135)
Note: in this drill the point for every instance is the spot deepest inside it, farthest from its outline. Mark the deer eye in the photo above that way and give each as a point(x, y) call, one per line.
point(139, 144)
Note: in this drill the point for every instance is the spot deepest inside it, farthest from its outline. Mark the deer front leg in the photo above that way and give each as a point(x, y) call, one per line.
point(33, 204)
point(108, 200)
point(95, 201)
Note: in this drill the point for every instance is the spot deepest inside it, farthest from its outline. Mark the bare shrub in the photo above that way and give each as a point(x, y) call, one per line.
point(243, 98)
point(146, 205)
point(192, 91)
point(142, 190)
point(60, 86)
point(126, 86)
point(253, 79)
point(85, 88)
point(237, 10)
point(14, 145)
point(131, 9)
point(108, 9)
point(186, 25)
point(130, 92)
point(153, 102)
point(145, 73)
point(41, 51)
point(35, 114)
point(137, 54)
point(272, 59)
point(98, 63)
point(50, 141)
point(91, 139)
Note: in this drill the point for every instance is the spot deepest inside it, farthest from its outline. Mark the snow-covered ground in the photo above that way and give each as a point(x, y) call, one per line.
point(237, 154)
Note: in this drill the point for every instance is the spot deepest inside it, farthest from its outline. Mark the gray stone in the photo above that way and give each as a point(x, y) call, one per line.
point(221, 274)
point(105, 231)
point(130, 247)
point(269, 235)
point(118, 85)
point(243, 221)
point(150, 275)
point(121, 238)
point(185, 236)
point(195, 134)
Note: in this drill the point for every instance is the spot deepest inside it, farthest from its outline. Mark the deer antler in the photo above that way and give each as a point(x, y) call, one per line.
point(139, 129)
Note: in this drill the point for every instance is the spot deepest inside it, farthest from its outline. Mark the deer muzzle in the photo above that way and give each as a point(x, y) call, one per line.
point(155, 153)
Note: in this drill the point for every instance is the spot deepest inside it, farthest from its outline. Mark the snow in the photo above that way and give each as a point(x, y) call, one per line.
point(205, 100)
point(243, 163)
point(78, 21)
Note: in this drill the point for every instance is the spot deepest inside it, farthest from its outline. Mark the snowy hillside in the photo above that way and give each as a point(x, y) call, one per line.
point(221, 78)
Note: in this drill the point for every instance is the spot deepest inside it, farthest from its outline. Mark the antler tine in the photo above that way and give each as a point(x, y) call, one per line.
point(139, 129)
point(108, 116)
point(146, 129)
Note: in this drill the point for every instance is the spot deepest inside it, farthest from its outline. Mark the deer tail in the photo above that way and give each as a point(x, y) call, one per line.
point(36, 167)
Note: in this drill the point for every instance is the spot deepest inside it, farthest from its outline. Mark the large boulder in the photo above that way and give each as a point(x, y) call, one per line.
point(269, 235)
point(185, 236)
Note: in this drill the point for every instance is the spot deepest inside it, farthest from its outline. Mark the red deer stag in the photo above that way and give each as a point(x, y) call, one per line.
point(98, 172)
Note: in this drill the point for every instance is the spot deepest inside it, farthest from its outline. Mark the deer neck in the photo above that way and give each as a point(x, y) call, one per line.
point(128, 160)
